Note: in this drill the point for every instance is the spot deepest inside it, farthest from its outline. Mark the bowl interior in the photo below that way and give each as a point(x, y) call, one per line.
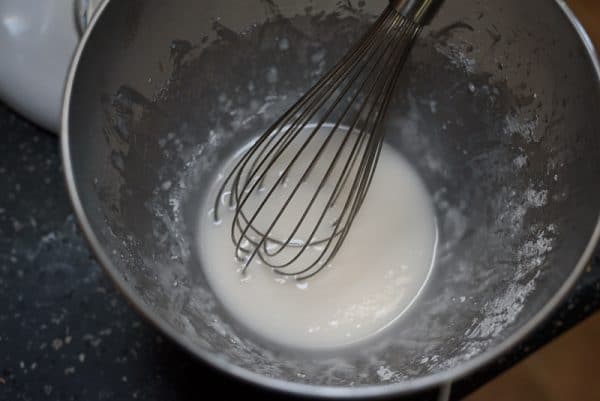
point(497, 109)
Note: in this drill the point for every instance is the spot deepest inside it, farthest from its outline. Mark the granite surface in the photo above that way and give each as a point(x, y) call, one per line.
point(65, 332)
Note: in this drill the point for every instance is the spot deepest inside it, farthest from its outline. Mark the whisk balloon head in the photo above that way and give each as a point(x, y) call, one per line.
point(296, 191)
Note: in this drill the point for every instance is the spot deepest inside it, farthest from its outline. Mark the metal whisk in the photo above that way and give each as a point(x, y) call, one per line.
point(297, 190)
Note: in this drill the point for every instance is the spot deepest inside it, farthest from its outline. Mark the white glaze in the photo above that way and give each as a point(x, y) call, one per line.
point(379, 271)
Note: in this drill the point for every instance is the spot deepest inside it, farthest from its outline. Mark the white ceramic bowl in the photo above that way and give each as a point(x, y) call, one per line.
point(38, 39)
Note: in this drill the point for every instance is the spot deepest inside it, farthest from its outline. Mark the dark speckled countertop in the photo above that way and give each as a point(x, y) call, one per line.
point(66, 334)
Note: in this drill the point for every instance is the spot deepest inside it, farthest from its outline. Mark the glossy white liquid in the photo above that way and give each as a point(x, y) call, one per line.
point(374, 278)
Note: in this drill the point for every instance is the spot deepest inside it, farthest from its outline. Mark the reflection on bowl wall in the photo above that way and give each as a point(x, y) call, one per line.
point(496, 109)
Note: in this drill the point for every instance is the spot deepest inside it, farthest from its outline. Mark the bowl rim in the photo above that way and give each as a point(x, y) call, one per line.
point(440, 380)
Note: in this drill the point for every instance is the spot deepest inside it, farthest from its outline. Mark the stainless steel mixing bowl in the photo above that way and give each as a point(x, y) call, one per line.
point(498, 110)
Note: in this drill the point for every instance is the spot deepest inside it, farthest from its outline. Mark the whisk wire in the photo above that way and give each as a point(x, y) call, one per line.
point(309, 168)
point(318, 154)
point(279, 151)
point(329, 170)
point(354, 95)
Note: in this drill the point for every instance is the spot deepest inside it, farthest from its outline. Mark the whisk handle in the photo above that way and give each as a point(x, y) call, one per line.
point(419, 11)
